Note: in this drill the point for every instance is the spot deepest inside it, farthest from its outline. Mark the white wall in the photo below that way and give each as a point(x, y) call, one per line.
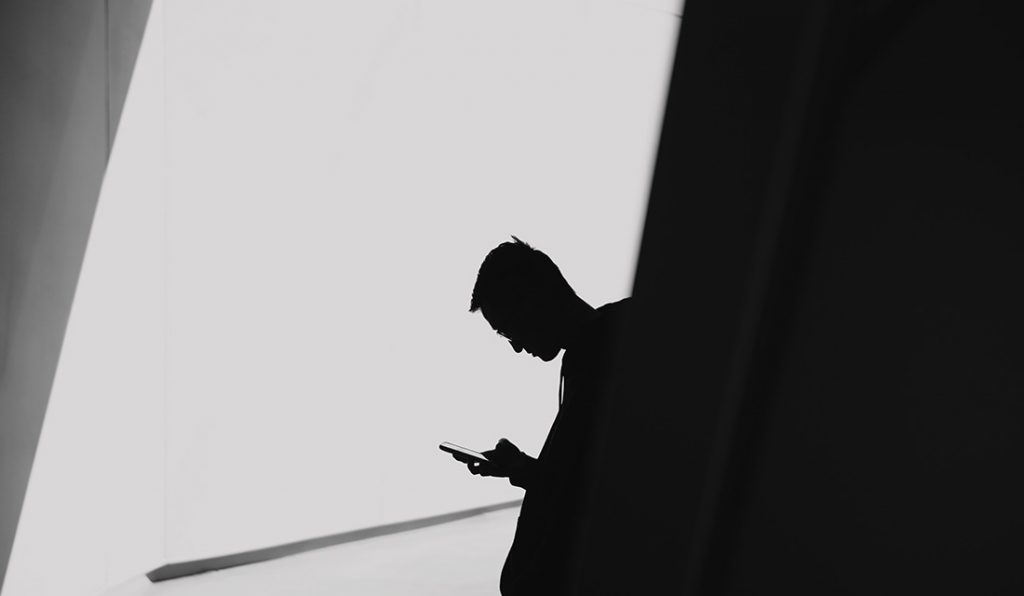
point(337, 171)
point(271, 334)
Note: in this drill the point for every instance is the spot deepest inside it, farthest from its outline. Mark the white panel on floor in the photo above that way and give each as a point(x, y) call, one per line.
point(462, 558)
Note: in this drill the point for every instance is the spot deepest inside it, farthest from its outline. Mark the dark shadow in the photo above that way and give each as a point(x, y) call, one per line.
point(821, 387)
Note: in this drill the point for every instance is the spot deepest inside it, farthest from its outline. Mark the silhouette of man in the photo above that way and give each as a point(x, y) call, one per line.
point(526, 300)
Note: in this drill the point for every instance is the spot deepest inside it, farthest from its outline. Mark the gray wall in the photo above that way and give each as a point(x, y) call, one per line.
point(64, 70)
point(823, 391)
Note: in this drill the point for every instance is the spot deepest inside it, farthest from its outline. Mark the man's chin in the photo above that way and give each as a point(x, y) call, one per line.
point(548, 357)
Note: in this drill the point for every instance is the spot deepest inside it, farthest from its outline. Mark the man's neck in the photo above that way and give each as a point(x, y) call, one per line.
point(578, 317)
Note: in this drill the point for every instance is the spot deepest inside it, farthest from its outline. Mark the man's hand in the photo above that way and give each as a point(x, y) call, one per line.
point(480, 468)
point(503, 461)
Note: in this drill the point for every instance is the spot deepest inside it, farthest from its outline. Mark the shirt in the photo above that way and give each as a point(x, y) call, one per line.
point(555, 484)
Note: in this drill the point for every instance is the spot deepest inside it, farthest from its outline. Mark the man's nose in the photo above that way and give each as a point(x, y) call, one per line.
point(518, 348)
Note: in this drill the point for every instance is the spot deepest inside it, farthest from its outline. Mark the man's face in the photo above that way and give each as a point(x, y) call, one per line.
point(525, 331)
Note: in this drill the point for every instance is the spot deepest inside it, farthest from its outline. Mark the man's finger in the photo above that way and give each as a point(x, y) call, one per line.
point(484, 469)
point(480, 469)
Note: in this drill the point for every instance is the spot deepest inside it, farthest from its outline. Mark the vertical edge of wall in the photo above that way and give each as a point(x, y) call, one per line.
point(56, 115)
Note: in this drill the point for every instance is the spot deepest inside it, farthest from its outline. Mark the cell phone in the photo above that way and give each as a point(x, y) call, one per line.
point(453, 449)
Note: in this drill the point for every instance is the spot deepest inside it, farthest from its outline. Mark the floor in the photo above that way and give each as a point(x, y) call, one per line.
point(461, 558)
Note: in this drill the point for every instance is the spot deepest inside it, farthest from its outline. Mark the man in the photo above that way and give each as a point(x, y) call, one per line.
point(526, 300)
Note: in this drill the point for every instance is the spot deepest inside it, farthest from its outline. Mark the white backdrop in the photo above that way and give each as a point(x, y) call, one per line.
point(337, 171)
point(330, 176)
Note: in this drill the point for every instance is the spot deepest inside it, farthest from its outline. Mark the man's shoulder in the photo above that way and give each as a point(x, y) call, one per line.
point(615, 313)
point(618, 306)
point(604, 330)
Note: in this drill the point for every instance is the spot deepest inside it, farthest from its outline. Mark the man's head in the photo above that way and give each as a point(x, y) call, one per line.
point(525, 298)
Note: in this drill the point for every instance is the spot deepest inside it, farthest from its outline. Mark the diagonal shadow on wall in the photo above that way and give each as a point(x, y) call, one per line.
point(65, 68)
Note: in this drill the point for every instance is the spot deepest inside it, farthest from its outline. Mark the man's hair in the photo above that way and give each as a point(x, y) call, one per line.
point(512, 267)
